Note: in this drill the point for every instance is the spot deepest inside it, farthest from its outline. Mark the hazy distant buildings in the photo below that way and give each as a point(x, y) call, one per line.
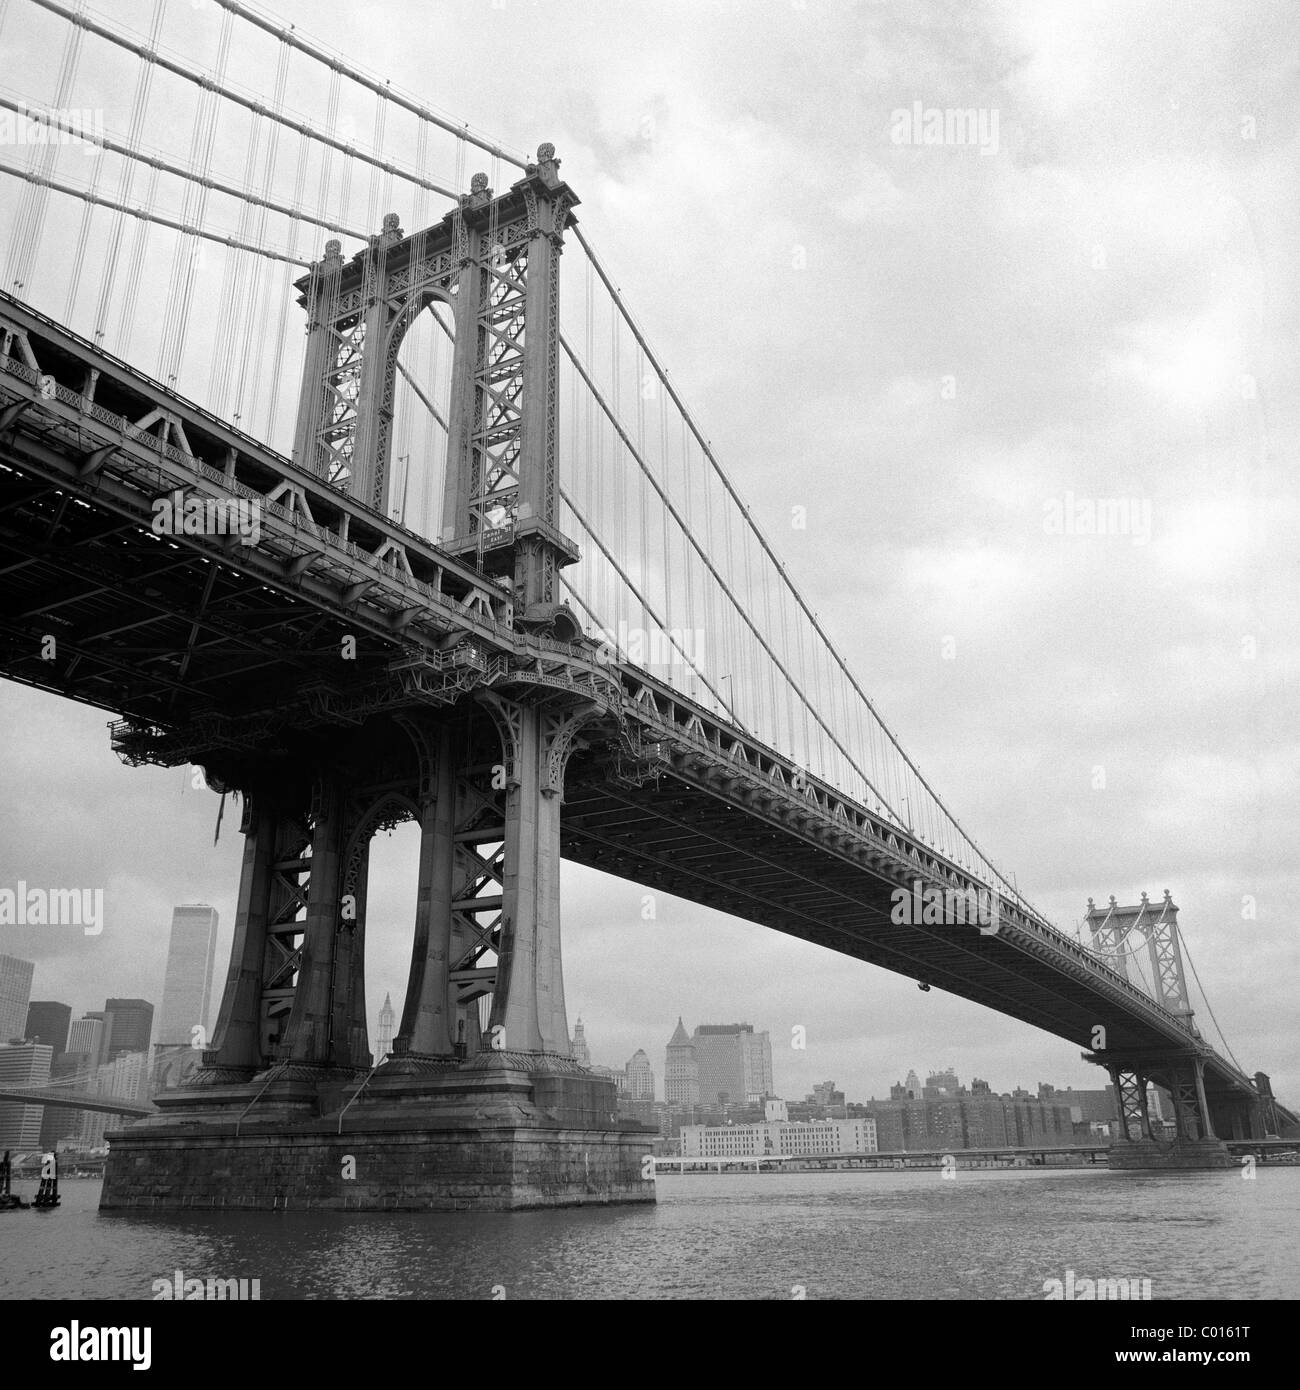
point(734, 1063)
point(943, 1114)
point(681, 1069)
point(23, 1064)
point(15, 994)
point(126, 1077)
point(187, 986)
point(640, 1077)
point(940, 1085)
point(826, 1096)
point(581, 1052)
point(48, 1023)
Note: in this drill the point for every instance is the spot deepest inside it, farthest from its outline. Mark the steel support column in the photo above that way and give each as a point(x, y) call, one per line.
point(528, 1004)
point(271, 895)
point(308, 1035)
point(428, 1018)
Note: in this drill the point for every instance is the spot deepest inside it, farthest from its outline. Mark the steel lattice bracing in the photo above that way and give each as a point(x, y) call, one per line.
point(1117, 932)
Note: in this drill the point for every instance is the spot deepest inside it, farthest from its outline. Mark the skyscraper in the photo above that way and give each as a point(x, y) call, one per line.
point(48, 1023)
point(735, 1063)
point(25, 1064)
point(384, 1037)
point(581, 1052)
point(681, 1070)
point(86, 1041)
point(128, 1027)
point(640, 1077)
point(187, 988)
point(15, 992)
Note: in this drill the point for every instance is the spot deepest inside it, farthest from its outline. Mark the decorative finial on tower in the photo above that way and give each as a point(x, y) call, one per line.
point(332, 262)
point(547, 164)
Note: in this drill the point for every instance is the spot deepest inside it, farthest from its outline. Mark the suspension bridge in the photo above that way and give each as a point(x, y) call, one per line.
point(460, 555)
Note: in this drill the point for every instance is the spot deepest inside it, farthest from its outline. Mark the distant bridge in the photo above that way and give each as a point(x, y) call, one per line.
point(77, 1100)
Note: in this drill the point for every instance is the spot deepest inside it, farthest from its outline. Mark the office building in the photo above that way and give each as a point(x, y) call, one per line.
point(128, 1027)
point(640, 1077)
point(581, 1052)
point(86, 1040)
point(48, 1023)
point(187, 986)
point(15, 995)
point(23, 1064)
point(681, 1070)
point(734, 1062)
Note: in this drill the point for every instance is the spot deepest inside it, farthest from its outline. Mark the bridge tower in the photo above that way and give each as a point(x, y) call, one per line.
point(480, 770)
point(1118, 934)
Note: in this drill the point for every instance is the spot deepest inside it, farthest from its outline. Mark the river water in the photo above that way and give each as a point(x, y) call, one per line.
point(997, 1234)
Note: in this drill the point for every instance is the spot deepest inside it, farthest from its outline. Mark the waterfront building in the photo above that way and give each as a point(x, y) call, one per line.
point(780, 1138)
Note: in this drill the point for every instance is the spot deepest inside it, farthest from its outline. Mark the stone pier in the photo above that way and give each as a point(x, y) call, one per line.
point(474, 1138)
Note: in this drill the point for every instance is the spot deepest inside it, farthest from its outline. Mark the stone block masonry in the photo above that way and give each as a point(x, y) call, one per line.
point(423, 1170)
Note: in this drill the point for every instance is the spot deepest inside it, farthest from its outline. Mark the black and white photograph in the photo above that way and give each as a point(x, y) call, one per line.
point(649, 650)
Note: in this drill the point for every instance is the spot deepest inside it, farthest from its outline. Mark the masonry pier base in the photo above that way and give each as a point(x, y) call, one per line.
point(1170, 1154)
point(492, 1137)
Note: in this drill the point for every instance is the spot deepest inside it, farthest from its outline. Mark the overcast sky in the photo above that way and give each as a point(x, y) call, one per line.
point(947, 353)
